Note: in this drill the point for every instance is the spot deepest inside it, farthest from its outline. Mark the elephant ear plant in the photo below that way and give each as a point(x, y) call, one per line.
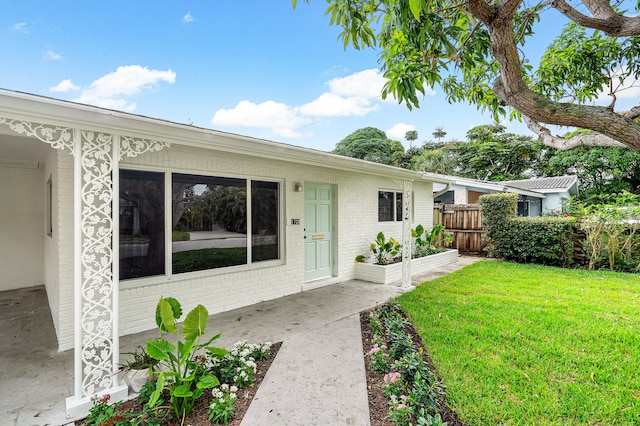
point(185, 372)
point(427, 242)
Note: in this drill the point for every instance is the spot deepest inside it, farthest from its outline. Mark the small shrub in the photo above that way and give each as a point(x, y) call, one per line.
point(379, 358)
point(400, 410)
point(221, 407)
point(385, 251)
point(238, 366)
point(426, 392)
point(375, 324)
point(427, 243)
point(410, 365)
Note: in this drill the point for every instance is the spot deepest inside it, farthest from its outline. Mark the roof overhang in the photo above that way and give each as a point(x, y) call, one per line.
point(50, 111)
point(479, 184)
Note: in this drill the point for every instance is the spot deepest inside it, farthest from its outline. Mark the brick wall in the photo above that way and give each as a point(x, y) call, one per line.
point(356, 224)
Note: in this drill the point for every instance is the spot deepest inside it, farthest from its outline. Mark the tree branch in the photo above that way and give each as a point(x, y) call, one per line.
point(633, 113)
point(604, 19)
point(582, 139)
point(482, 10)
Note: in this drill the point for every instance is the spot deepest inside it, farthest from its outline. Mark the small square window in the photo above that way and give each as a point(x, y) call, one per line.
point(389, 206)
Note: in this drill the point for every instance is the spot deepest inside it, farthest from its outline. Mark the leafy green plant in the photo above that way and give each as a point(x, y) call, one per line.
point(140, 361)
point(426, 419)
point(379, 358)
point(145, 394)
point(612, 236)
point(426, 391)
point(375, 324)
point(427, 243)
point(221, 407)
point(409, 365)
point(400, 410)
point(186, 374)
point(410, 386)
point(385, 251)
point(102, 413)
point(237, 367)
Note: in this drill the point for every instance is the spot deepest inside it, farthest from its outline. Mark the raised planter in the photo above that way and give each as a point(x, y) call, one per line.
point(388, 274)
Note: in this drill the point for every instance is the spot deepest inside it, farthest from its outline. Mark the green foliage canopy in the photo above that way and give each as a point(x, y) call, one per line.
point(476, 51)
point(370, 144)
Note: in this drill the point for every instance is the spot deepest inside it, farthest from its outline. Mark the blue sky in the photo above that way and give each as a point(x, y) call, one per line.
point(256, 67)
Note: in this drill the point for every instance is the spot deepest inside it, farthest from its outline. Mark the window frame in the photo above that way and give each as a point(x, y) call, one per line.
point(168, 203)
point(395, 209)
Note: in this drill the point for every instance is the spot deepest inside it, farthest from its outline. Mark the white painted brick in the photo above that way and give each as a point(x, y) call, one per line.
point(355, 227)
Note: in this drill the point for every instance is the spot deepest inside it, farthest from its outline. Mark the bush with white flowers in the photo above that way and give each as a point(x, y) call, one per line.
point(221, 406)
point(238, 366)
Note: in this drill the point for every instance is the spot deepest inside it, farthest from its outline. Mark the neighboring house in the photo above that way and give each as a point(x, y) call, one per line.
point(271, 220)
point(557, 192)
point(535, 196)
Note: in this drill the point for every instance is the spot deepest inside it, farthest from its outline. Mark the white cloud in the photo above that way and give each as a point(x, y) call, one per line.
point(399, 131)
point(64, 86)
point(367, 84)
point(54, 56)
point(188, 18)
point(357, 94)
point(21, 27)
point(333, 105)
point(113, 89)
point(282, 119)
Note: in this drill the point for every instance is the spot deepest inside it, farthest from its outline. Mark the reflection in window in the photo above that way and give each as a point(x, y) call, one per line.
point(390, 206)
point(209, 222)
point(385, 206)
point(264, 221)
point(399, 206)
point(141, 224)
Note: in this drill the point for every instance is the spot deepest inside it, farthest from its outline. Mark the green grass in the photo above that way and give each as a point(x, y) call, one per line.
point(180, 236)
point(209, 258)
point(533, 345)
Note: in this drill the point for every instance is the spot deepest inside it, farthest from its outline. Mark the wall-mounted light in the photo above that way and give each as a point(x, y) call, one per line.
point(297, 187)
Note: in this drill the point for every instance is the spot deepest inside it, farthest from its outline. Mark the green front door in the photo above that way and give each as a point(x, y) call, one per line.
point(318, 231)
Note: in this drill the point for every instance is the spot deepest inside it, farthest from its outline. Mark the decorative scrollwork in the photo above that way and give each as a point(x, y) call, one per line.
point(132, 147)
point(407, 187)
point(96, 259)
point(56, 136)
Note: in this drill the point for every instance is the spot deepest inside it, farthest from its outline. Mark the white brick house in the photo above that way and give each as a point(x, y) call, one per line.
point(278, 219)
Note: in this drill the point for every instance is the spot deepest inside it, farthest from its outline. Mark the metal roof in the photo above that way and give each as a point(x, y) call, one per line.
point(548, 184)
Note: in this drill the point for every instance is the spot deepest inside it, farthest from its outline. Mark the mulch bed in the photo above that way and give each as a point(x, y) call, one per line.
point(378, 403)
point(199, 415)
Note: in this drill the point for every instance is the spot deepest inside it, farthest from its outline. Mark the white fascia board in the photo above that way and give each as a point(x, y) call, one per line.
point(39, 109)
point(553, 190)
point(525, 192)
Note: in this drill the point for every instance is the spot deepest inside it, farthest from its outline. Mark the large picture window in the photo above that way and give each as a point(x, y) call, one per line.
point(142, 242)
point(209, 222)
point(216, 222)
point(265, 220)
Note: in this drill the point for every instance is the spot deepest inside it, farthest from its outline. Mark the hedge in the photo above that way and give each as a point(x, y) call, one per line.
point(543, 240)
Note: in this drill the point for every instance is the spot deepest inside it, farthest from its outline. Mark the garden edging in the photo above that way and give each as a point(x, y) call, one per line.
point(388, 274)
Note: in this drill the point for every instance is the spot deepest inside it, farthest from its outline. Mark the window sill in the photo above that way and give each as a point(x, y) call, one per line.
point(164, 279)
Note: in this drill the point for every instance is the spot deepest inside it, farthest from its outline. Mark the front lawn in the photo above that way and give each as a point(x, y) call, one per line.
point(527, 344)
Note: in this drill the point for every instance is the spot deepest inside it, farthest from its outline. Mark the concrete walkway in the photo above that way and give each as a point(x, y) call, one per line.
point(317, 378)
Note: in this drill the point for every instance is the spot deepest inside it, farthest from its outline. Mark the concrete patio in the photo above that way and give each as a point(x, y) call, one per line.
point(317, 377)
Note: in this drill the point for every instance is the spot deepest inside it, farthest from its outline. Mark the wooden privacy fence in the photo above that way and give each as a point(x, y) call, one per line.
point(464, 222)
